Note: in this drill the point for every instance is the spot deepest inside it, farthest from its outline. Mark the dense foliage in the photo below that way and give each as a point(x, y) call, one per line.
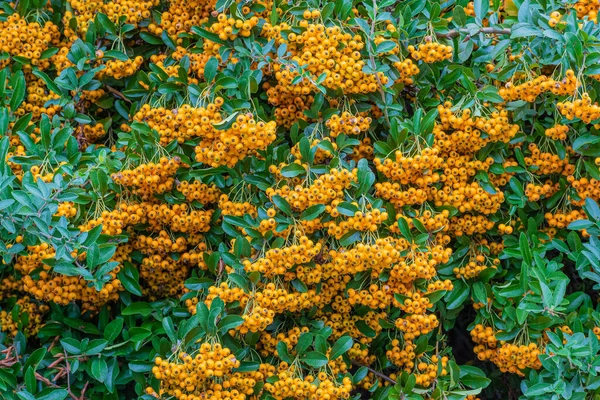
point(261, 199)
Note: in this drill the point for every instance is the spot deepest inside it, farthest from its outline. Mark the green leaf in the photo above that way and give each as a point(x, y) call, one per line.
point(359, 375)
point(138, 308)
point(35, 358)
point(574, 47)
point(304, 145)
point(18, 92)
point(282, 204)
point(222, 5)
point(55, 394)
point(247, 366)
point(580, 225)
point(365, 329)
point(340, 347)
point(385, 46)
point(229, 322)
point(99, 369)
point(169, 328)
point(168, 41)
point(113, 329)
point(592, 209)
point(274, 16)
point(21, 123)
point(304, 342)
point(473, 377)
point(210, 69)
point(481, 8)
point(151, 39)
point(584, 141)
point(95, 346)
point(457, 296)
point(312, 212)
point(524, 247)
point(436, 296)
point(538, 389)
point(30, 381)
point(419, 225)
point(315, 359)
point(282, 352)
point(366, 177)
point(49, 82)
point(347, 209)
point(129, 277)
point(428, 122)
point(327, 10)
point(465, 49)
point(520, 30)
point(71, 345)
point(459, 16)
point(405, 229)
point(350, 238)
point(208, 35)
point(106, 23)
point(292, 170)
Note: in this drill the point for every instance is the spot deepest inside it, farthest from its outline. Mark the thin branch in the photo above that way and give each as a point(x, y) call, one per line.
point(68, 370)
point(488, 31)
point(56, 339)
point(376, 373)
point(82, 397)
point(56, 362)
point(221, 269)
point(45, 380)
point(117, 93)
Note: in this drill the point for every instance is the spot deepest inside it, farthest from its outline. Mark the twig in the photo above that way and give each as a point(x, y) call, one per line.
point(56, 338)
point(488, 31)
point(8, 360)
point(59, 374)
point(82, 397)
point(53, 385)
point(376, 373)
point(56, 362)
point(68, 370)
point(117, 93)
point(45, 380)
point(221, 269)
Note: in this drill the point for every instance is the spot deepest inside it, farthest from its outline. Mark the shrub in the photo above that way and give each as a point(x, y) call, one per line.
point(311, 200)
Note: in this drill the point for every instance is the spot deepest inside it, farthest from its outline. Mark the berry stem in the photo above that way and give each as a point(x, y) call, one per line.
point(117, 93)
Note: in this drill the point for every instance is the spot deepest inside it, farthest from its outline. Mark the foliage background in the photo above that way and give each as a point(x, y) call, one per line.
point(498, 204)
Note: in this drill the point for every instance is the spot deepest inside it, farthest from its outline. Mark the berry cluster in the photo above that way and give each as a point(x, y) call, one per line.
point(347, 124)
point(431, 52)
point(513, 358)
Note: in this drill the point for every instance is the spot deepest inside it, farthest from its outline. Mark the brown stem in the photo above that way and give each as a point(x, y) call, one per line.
point(56, 338)
point(82, 397)
point(59, 375)
point(117, 93)
point(52, 385)
point(221, 269)
point(68, 371)
point(488, 31)
point(8, 360)
point(45, 380)
point(56, 362)
point(376, 373)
